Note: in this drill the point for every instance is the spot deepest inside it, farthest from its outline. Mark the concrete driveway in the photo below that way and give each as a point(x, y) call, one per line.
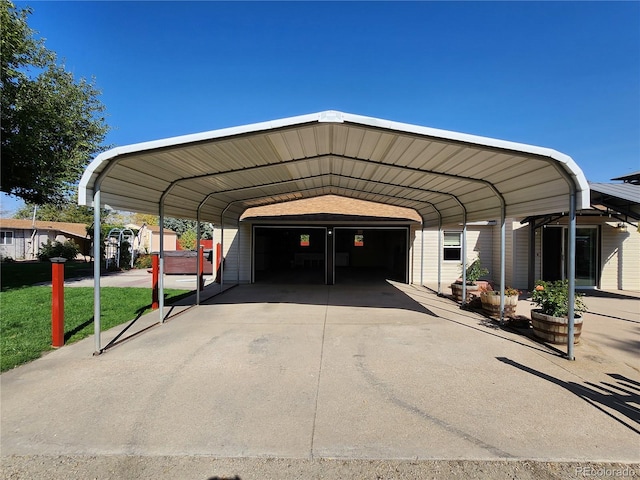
point(390, 371)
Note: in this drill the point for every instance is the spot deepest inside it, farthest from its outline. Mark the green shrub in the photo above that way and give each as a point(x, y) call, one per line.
point(553, 298)
point(187, 240)
point(475, 271)
point(69, 249)
point(143, 261)
point(125, 255)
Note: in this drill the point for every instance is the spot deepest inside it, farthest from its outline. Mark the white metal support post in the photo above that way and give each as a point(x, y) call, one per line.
point(422, 254)
point(464, 260)
point(96, 267)
point(502, 260)
point(439, 254)
point(198, 235)
point(161, 264)
point(572, 272)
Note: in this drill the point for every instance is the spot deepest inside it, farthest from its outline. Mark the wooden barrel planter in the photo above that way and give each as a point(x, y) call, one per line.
point(491, 304)
point(456, 291)
point(554, 329)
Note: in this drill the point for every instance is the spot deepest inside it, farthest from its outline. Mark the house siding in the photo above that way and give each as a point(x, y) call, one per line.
point(620, 258)
point(479, 239)
point(516, 254)
point(236, 250)
point(520, 259)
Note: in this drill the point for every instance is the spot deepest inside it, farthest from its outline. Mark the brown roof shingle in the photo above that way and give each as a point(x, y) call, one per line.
point(74, 229)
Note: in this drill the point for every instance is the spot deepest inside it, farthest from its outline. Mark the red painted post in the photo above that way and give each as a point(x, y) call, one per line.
point(155, 269)
point(218, 260)
point(201, 267)
point(57, 301)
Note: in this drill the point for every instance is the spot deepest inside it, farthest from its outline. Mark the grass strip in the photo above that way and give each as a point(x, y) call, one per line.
point(25, 317)
point(22, 274)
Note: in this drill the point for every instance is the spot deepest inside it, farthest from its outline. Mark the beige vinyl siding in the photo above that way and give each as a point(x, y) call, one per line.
point(520, 261)
point(479, 239)
point(620, 257)
point(516, 254)
point(415, 239)
point(245, 252)
point(236, 250)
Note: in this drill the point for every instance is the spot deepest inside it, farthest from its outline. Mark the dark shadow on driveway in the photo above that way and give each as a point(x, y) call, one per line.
point(366, 295)
point(620, 395)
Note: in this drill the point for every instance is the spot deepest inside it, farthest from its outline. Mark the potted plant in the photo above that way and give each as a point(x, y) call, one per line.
point(550, 321)
point(473, 274)
point(491, 301)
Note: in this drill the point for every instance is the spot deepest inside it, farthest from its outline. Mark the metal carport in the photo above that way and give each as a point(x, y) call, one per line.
point(447, 177)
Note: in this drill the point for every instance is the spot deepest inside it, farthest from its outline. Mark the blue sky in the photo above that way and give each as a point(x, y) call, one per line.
point(564, 75)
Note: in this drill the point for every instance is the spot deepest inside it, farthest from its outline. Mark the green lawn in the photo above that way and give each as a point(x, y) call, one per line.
point(22, 274)
point(25, 317)
point(25, 311)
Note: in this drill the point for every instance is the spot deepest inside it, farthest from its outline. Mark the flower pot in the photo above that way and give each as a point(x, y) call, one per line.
point(491, 304)
point(456, 291)
point(554, 329)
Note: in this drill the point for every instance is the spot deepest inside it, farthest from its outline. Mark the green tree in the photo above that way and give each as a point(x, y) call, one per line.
point(67, 211)
point(140, 218)
point(51, 125)
point(187, 240)
point(180, 226)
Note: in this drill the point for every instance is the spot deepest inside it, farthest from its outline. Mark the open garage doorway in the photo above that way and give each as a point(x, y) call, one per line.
point(364, 255)
point(290, 255)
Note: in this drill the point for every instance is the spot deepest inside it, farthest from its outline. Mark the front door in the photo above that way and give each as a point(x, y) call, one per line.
point(553, 265)
point(555, 251)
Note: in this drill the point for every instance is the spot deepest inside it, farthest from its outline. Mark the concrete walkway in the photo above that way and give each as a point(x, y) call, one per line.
point(360, 372)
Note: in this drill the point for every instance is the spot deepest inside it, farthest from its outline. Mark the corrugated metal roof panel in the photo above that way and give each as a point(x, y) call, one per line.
point(625, 191)
point(334, 152)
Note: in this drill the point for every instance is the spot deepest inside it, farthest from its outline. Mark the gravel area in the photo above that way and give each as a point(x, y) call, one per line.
point(119, 467)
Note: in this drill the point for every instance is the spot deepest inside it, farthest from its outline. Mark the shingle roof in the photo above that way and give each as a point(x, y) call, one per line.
point(73, 229)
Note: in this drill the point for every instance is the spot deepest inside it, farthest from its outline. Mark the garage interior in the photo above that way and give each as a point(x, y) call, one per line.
point(329, 254)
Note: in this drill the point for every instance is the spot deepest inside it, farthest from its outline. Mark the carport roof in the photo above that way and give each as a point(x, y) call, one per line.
point(440, 174)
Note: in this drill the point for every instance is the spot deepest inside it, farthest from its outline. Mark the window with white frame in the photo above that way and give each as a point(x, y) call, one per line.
point(6, 238)
point(452, 246)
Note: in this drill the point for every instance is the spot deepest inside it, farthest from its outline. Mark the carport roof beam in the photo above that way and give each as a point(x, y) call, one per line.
point(310, 138)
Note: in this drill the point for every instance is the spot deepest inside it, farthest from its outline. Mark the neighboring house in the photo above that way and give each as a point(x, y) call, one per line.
point(22, 239)
point(148, 238)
